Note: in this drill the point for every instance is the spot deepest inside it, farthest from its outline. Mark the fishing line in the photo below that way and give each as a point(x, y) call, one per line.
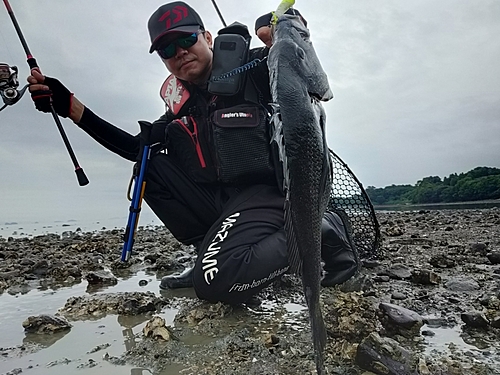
point(6, 45)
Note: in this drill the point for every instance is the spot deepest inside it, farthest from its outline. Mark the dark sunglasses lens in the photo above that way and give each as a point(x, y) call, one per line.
point(187, 41)
point(169, 50)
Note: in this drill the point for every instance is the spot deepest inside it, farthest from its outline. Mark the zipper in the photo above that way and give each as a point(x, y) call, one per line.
point(184, 123)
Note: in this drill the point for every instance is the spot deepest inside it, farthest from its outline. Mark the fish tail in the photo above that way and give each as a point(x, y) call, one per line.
point(318, 334)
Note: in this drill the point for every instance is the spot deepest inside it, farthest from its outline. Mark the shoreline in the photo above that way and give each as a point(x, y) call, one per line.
point(434, 271)
point(489, 203)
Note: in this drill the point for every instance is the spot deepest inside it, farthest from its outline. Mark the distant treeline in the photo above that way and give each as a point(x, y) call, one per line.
point(478, 184)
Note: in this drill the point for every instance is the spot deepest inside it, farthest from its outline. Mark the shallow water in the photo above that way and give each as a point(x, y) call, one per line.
point(69, 352)
point(447, 340)
point(30, 229)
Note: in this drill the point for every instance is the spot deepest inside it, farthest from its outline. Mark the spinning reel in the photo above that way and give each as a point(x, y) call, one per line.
point(9, 84)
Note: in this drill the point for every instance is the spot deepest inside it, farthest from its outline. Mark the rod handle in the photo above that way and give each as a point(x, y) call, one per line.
point(82, 178)
point(32, 62)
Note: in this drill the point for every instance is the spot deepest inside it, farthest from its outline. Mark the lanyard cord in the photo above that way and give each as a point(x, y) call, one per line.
point(250, 65)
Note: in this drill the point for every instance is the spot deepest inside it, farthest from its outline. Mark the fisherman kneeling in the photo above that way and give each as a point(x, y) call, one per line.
point(217, 196)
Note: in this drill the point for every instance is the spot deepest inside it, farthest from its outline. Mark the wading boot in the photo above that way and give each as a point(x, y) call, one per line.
point(180, 280)
point(337, 249)
point(183, 279)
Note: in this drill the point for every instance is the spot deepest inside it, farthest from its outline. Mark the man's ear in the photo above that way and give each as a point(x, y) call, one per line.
point(208, 38)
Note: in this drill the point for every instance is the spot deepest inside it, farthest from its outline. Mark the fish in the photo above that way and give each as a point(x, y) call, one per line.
point(298, 84)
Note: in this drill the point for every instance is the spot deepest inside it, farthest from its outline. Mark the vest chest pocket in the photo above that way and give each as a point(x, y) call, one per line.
point(187, 142)
point(242, 145)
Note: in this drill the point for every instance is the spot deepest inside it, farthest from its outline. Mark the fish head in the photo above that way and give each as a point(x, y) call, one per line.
point(293, 50)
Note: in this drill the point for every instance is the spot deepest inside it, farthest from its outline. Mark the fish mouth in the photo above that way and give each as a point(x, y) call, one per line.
point(325, 97)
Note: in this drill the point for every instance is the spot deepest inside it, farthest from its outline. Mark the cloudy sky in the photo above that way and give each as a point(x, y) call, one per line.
point(416, 84)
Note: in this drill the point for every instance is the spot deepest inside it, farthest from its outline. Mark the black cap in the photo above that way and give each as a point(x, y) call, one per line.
point(176, 17)
point(265, 20)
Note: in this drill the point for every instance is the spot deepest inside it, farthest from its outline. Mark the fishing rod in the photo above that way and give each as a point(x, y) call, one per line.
point(82, 178)
point(219, 13)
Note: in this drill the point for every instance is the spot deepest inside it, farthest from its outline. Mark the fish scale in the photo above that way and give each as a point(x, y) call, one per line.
point(297, 83)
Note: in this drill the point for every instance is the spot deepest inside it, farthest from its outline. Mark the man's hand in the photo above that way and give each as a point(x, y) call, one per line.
point(46, 90)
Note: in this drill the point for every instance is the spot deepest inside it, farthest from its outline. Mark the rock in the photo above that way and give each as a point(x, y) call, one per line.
point(358, 283)
point(9, 275)
point(495, 323)
point(422, 367)
point(205, 311)
point(399, 272)
point(98, 348)
point(454, 299)
point(126, 303)
point(40, 268)
point(494, 257)
point(442, 261)
point(101, 277)
point(479, 248)
point(428, 333)
point(490, 302)
point(184, 259)
point(271, 340)
point(474, 319)
point(462, 284)
point(396, 317)
point(46, 324)
point(27, 262)
point(382, 278)
point(437, 322)
point(370, 263)
point(384, 356)
point(398, 296)
point(394, 231)
point(157, 329)
point(425, 277)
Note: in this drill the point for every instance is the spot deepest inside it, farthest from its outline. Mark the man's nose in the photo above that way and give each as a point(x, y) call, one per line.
point(179, 51)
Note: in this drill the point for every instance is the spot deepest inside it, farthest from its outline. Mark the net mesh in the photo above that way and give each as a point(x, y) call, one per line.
point(348, 195)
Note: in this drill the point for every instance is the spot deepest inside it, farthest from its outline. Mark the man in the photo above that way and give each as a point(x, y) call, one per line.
point(232, 214)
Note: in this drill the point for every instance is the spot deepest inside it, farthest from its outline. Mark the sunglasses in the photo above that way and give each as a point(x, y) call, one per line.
point(169, 50)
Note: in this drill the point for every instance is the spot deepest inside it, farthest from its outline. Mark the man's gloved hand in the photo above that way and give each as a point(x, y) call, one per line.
point(45, 90)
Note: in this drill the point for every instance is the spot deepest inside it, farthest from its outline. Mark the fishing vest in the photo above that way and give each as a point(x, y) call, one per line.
point(223, 135)
point(220, 139)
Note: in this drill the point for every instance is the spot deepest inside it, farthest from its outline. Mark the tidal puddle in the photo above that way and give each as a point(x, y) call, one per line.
point(76, 350)
point(447, 341)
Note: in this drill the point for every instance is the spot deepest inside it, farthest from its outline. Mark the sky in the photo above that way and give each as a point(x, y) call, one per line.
point(416, 85)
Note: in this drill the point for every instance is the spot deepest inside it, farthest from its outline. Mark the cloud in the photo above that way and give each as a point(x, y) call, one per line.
point(417, 90)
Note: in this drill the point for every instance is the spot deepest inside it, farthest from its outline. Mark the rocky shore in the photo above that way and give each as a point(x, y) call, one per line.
point(429, 304)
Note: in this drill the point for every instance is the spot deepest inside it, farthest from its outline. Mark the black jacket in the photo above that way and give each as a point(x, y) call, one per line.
point(128, 146)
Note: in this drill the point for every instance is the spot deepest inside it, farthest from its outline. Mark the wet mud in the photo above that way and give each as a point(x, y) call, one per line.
point(429, 304)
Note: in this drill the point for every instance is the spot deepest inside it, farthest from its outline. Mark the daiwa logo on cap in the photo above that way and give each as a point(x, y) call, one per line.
point(173, 17)
point(178, 11)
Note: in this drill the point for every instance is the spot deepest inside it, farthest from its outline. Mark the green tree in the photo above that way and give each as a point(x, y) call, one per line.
point(477, 184)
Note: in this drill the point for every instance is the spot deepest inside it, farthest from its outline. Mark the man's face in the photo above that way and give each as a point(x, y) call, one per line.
point(264, 34)
point(193, 64)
